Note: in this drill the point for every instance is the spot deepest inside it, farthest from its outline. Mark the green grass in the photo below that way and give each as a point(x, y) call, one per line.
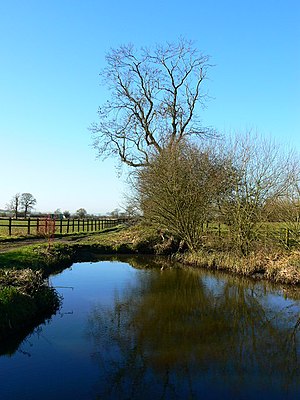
point(25, 257)
point(62, 254)
point(37, 257)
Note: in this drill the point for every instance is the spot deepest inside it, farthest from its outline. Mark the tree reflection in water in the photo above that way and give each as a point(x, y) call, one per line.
point(178, 334)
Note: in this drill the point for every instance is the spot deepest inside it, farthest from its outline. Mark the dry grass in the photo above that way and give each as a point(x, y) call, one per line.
point(26, 281)
point(268, 262)
point(25, 298)
point(278, 267)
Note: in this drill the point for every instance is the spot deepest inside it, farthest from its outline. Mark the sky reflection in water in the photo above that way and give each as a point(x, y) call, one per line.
point(130, 333)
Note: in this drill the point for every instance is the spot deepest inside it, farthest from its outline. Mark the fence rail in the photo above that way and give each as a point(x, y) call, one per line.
point(48, 225)
point(280, 233)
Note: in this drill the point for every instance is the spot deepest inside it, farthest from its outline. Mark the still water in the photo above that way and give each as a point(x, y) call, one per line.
point(129, 332)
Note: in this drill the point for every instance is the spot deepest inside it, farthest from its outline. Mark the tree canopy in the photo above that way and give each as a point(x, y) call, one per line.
point(27, 202)
point(153, 104)
point(24, 202)
point(81, 213)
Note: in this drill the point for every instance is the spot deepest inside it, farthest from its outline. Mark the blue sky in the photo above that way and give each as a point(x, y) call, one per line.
point(51, 53)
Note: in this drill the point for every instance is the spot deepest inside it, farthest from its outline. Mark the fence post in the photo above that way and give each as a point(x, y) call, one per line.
point(287, 237)
point(9, 226)
point(68, 225)
point(28, 226)
point(60, 226)
point(37, 225)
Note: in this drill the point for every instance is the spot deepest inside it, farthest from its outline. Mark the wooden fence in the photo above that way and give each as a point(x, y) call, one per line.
point(269, 232)
point(46, 226)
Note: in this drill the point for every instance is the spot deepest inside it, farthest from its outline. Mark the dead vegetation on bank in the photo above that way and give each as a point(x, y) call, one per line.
point(274, 264)
point(25, 298)
point(278, 267)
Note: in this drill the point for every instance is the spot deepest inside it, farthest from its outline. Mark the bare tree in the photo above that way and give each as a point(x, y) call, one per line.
point(154, 98)
point(262, 173)
point(27, 202)
point(131, 209)
point(14, 204)
point(179, 188)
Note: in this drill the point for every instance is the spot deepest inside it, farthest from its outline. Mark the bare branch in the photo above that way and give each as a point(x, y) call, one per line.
point(154, 93)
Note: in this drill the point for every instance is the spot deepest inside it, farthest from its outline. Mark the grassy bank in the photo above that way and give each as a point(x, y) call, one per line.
point(25, 299)
point(37, 257)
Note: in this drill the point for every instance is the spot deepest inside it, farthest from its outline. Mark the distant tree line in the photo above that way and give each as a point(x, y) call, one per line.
point(22, 205)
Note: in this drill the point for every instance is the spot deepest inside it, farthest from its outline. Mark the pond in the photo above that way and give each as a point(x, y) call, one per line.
point(139, 328)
